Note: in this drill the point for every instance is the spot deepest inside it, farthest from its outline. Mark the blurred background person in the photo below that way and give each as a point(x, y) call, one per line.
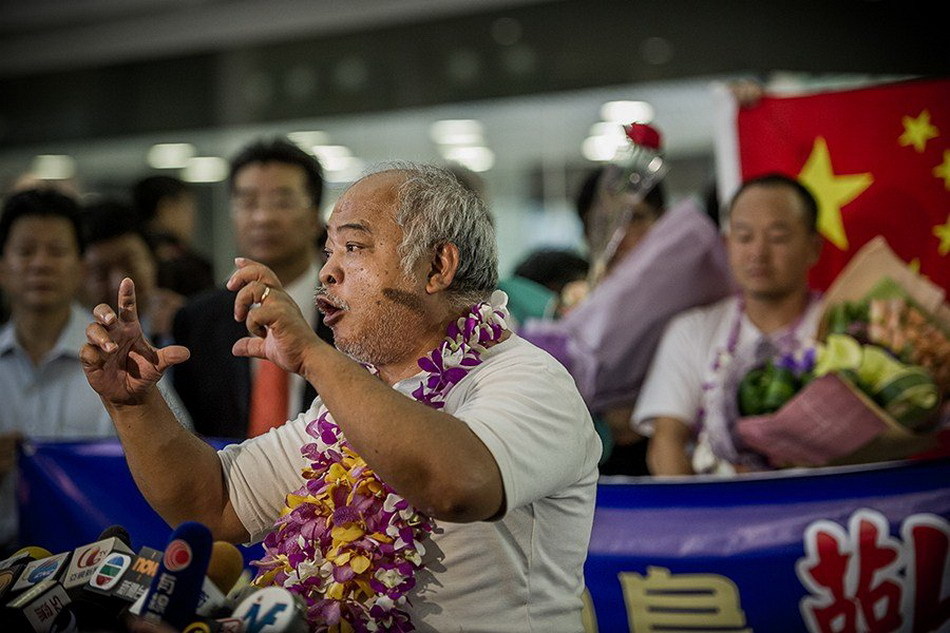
point(117, 247)
point(648, 263)
point(28, 181)
point(772, 242)
point(42, 386)
point(276, 190)
point(167, 209)
point(534, 288)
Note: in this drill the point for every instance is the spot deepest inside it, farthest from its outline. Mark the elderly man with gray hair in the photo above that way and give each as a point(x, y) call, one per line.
point(445, 477)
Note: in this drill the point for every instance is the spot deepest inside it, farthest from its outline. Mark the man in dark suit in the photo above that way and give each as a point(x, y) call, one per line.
point(275, 192)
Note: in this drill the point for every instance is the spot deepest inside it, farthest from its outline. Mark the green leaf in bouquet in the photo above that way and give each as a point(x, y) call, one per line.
point(858, 311)
point(752, 391)
point(838, 318)
point(782, 385)
point(909, 396)
point(887, 288)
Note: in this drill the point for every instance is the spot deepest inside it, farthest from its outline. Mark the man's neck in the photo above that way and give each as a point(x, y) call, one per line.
point(771, 314)
point(38, 330)
point(408, 366)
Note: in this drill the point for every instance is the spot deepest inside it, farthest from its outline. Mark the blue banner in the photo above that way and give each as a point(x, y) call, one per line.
point(836, 550)
point(68, 492)
point(842, 550)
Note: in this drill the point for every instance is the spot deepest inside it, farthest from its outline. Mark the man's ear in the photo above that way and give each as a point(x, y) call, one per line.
point(444, 265)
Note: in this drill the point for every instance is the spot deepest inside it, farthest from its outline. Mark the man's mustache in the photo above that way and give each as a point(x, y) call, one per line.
point(323, 293)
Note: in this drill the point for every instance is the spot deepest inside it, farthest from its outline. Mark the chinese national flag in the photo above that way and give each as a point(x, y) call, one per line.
point(878, 161)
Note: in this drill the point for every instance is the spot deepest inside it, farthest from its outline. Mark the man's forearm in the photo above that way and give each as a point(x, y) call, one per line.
point(668, 460)
point(666, 454)
point(179, 474)
point(431, 458)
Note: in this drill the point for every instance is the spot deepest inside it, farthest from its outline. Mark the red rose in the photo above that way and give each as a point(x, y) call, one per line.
point(643, 134)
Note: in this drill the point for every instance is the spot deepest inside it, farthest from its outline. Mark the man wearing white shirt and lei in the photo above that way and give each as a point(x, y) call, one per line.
point(772, 242)
point(473, 508)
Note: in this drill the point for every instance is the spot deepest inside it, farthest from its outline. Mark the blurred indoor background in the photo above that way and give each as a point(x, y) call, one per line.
point(527, 94)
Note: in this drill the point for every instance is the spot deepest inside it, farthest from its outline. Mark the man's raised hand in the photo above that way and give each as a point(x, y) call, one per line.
point(119, 362)
point(279, 332)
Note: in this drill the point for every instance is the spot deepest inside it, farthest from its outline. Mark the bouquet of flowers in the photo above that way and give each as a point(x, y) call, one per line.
point(634, 170)
point(871, 389)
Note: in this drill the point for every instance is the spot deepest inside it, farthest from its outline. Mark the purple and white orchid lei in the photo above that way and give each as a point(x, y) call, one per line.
point(346, 542)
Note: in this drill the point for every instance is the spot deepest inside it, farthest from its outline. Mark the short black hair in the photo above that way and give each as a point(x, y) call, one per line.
point(776, 179)
point(656, 196)
point(280, 150)
point(553, 268)
point(108, 218)
point(148, 192)
point(40, 202)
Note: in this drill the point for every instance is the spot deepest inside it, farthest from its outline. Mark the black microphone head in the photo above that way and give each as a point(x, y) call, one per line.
point(117, 531)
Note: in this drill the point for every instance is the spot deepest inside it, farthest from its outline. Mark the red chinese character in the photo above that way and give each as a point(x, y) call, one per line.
point(854, 575)
point(930, 536)
point(880, 604)
point(828, 574)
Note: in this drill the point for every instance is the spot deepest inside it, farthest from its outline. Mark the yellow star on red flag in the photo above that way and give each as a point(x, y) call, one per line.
point(942, 231)
point(917, 131)
point(832, 191)
point(943, 169)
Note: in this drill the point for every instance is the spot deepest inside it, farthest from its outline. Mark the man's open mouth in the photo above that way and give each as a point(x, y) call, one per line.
point(331, 312)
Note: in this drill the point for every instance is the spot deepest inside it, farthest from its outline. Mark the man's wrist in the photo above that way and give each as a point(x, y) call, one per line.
point(313, 359)
point(145, 400)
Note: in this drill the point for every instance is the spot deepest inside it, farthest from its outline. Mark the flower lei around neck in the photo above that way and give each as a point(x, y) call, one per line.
point(346, 542)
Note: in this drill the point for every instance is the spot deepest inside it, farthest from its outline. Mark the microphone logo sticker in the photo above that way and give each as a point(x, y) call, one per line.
point(47, 568)
point(90, 557)
point(177, 555)
point(110, 571)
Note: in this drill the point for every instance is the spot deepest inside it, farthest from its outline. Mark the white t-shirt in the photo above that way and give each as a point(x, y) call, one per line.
point(522, 572)
point(674, 386)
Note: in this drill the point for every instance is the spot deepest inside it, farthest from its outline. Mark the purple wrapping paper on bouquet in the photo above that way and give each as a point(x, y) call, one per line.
point(829, 422)
point(608, 340)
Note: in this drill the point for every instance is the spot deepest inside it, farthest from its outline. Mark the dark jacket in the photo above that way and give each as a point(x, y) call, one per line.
point(214, 385)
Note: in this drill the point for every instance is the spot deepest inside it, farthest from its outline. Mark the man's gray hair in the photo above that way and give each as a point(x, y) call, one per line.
point(435, 208)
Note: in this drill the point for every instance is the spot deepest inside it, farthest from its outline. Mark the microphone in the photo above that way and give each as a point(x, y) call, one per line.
point(225, 566)
point(86, 559)
point(48, 568)
point(175, 590)
point(11, 568)
point(44, 607)
point(121, 580)
point(118, 532)
point(96, 569)
point(224, 569)
point(25, 555)
point(272, 610)
point(8, 576)
point(36, 608)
